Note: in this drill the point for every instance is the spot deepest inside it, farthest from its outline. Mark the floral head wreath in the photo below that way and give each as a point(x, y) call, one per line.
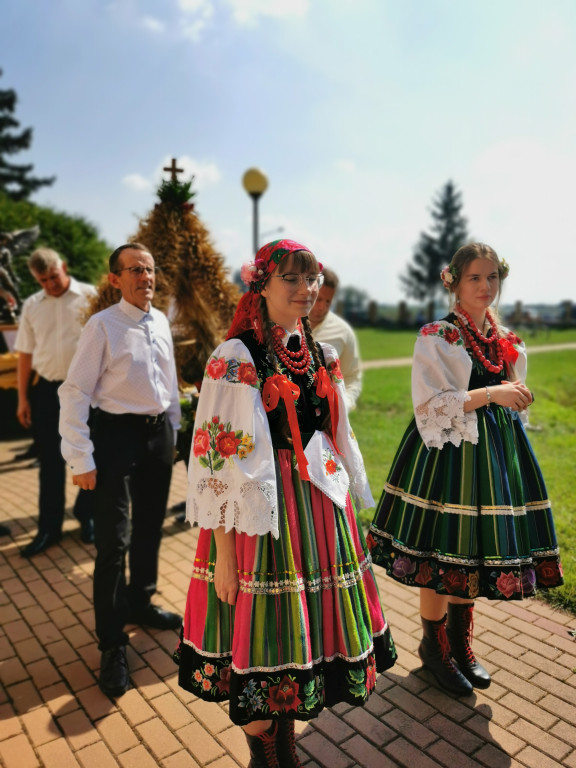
point(448, 274)
point(504, 269)
point(255, 275)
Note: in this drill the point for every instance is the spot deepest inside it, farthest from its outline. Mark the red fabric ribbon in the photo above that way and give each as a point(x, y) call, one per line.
point(279, 386)
point(325, 388)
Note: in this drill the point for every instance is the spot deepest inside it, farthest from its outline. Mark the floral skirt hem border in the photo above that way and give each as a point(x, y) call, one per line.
point(292, 693)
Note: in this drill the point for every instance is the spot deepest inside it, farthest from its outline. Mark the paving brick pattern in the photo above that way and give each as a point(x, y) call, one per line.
point(53, 714)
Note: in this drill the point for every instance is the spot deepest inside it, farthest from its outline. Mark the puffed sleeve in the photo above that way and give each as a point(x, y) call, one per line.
point(232, 480)
point(352, 457)
point(440, 377)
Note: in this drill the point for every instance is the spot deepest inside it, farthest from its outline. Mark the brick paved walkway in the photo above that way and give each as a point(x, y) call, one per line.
point(52, 713)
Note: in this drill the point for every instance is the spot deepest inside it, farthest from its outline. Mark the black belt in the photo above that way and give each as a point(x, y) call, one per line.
point(132, 418)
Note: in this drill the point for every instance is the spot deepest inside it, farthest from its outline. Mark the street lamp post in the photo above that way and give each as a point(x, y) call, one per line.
point(255, 182)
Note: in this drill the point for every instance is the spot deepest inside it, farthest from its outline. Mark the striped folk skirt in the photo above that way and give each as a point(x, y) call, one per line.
point(307, 630)
point(470, 521)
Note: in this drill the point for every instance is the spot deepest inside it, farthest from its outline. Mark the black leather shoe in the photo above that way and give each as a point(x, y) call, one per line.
point(153, 616)
point(4, 530)
point(41, 542)
point(114, 677)
point(87, 531)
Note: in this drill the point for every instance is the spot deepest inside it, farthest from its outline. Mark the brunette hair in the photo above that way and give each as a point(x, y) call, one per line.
point(114, 258)
point(300, 261)
point(330, 278)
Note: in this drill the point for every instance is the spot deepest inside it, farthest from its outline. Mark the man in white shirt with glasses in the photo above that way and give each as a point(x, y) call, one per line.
point(124, 367)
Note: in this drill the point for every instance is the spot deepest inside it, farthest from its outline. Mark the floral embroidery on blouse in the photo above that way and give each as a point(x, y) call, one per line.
point(214, 442)
point(330, 466)
point(451, 335)
point(230, 369)
point(335, 372)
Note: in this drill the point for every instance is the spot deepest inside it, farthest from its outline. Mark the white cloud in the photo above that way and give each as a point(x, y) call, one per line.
point(153, 24)
point(196, 6)
point(348, 166)
point(248, 11)
point(205, 172)
point(194, 30)
point(137, 182)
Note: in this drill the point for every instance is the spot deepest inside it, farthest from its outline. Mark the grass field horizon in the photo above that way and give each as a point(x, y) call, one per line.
point(385, 409)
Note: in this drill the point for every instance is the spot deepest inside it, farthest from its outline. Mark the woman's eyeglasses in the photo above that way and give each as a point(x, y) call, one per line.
point(293, 280)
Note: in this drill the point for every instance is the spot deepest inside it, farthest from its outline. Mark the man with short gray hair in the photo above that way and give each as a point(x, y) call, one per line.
point(48, 333)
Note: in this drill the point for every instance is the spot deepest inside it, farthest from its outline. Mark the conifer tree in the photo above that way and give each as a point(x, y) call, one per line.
point(193, 286)
point(15, 180)
point(435, 250)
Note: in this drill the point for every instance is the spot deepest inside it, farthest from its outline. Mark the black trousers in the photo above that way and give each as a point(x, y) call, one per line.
point(45, 407)
point(134, 461)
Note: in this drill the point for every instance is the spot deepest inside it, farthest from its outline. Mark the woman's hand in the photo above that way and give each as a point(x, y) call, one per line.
point(512, 394)
point(226, 581)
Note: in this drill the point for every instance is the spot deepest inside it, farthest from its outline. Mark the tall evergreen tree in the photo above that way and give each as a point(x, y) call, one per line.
point(435, 250)
point(15, 180)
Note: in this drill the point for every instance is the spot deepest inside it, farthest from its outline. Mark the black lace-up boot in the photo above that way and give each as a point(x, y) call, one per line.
point(459, 630)
point(286, 745)
point(263, 748)
point(434, 651)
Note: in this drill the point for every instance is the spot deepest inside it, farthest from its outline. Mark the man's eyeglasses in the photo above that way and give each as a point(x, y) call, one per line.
point(293, 280)
point(138, 271)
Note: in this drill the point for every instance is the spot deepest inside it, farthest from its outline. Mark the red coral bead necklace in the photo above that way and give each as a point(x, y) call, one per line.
point(297, 362)
point(471, 331)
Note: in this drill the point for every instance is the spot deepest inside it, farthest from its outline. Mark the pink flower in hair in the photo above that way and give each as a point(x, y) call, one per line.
point(253, 271)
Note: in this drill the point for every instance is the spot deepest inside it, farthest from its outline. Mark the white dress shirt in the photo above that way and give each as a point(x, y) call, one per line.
point(50, 327)
point(124, 364)
point(336, 331)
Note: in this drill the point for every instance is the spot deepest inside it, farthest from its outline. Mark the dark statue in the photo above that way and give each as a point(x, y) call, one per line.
point(12, 244)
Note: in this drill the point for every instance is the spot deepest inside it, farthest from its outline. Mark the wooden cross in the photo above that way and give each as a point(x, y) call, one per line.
point(173, 169)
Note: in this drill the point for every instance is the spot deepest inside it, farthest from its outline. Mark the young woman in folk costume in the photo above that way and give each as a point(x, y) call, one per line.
point(283, 616)
point(464, 512)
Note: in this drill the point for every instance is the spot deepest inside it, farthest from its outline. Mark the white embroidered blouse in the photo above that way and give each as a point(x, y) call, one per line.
point(232, 475)
point(441, 371)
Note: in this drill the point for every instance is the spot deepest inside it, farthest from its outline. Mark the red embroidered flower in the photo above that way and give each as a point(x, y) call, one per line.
point(334, 370)
point(371, 542)
point(331, 467)
point(247, 374)
point(424, 574)
point(215, 419)
point(284, 696)
point(227, 443)
point(224, 683)
point(451, 335)
point(509, 352)
point(454, 581)
point(548, 573)
point(201, 442)
point(206, 685)
point(216, 368)
point(370, 675)
point(430, 328)
point(507, 584)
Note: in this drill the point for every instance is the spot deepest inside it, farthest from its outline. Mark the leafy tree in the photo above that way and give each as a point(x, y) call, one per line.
point(75, 239)
point(15, 180)
point(435, 250)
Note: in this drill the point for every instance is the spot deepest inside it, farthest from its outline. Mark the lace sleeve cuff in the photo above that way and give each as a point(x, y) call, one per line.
point(442, 420)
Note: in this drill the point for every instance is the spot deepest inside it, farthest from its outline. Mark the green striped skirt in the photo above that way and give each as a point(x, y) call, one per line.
point(469, 521)
point(307, 630)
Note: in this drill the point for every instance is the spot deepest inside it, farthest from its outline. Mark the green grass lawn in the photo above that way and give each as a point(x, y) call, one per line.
point(376, 344)
point(385, 409)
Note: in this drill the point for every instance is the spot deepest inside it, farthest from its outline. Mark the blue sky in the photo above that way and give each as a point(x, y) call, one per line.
point(357, 110)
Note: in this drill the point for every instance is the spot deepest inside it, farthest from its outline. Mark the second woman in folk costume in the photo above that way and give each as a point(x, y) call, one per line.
point(464, 512)
point(283, 615)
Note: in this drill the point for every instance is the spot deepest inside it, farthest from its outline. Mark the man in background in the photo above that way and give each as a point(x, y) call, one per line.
point(331, 329)
point(124, 366)
point(48, 332)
